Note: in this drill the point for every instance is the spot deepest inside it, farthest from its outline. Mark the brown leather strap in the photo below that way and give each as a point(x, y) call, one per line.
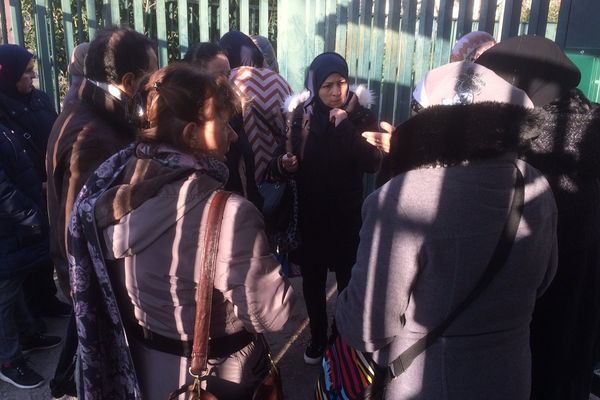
point(207, 261)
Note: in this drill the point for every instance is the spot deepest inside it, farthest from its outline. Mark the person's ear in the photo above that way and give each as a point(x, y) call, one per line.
point(128, 84)
point(192, 135)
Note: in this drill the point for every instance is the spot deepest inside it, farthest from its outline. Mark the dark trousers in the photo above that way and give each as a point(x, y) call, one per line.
point(314, 281)
point(40, 292)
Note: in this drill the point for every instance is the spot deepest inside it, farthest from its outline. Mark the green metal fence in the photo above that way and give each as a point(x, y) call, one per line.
point(388, 44)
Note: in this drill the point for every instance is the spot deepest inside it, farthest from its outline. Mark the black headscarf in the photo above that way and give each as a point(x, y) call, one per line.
point(534, 64)
point(321, 67)
point(13, 63)
point(241, 50)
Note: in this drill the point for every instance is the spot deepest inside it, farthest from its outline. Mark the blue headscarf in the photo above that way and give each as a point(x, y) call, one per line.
point(13, 63)
point(322, 66)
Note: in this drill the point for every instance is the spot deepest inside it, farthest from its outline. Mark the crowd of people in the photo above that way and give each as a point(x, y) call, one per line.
point(497, 168)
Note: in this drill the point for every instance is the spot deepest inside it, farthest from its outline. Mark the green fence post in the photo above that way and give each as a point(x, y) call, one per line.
point(487, 16)
point(538, 17)
point(45, 63)
point(377, 54)
point(564, 15)
point(465, 18)
point(444, 41)
point(4, 25)
point(263, 18)
point(203, 18)
point(352, 39)
point(16, 17)
point(330, 24)
point(161, 33)
point(423, 45)
point(244, 16)
point(511, 18)
point(138, 15)
point(115, 12)
point(363, 46)
point(80, 29)
point(341, 29)
point(291, 42)
point(315, 28)
point(223, 17)
point(392, 60)
point(67, 17)
point(182, 25)
point(407, 49)
point(90, 10)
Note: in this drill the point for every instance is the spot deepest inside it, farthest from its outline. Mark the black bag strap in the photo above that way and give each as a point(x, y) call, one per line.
point(499, 257)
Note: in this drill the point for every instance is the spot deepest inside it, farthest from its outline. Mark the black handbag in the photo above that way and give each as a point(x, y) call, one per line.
point(277, 202)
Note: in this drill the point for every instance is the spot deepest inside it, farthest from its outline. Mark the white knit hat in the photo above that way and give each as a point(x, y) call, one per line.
point(466, 83)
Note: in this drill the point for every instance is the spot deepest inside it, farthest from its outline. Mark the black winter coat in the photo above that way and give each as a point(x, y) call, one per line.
point(565, 332)
point(23, 223)
point(330, 185)
point(32, 120)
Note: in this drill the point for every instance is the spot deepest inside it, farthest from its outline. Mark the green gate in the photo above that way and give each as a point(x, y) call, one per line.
point(388, 44)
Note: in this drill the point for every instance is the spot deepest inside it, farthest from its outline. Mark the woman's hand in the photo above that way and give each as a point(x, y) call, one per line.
point(289, 162)
point(381, 140)
point(337, 115)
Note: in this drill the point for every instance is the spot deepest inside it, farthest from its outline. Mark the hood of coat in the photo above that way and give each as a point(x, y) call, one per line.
point(364, 95)
point(441, 136)
point(150, 199)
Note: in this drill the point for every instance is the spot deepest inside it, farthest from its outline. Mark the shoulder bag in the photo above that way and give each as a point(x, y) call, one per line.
point(270, 387)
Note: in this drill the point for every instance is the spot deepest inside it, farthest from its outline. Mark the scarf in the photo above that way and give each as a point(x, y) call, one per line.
point(106, 369)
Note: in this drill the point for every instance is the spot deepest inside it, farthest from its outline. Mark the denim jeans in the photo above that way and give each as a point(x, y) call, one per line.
point(15, 319)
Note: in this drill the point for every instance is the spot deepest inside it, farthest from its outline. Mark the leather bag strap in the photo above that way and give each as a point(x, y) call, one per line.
point(499, 257)
point(208, 260)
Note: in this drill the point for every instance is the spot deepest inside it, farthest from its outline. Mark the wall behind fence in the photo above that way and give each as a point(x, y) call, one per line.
point(388, 44)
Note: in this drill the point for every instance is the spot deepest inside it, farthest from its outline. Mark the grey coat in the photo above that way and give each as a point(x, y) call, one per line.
point(426, 238)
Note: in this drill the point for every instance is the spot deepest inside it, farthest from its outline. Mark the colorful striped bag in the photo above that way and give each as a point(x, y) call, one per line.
point(348, 374)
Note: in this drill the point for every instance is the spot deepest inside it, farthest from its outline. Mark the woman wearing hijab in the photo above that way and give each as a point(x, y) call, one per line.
point(328, 158)
point(30, 114)
point(241, 50)
point(565, 330)
point(149, 203)
point(268, 52)
point(76, 71)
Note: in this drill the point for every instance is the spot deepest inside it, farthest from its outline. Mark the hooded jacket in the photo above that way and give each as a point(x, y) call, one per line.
point(428, 235)
point(153, 222)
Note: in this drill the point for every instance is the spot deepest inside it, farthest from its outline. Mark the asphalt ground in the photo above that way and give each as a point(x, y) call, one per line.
point(287, 348)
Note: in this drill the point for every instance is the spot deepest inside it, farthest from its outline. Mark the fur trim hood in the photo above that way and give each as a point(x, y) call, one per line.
point(365, 96)
point(441, 136)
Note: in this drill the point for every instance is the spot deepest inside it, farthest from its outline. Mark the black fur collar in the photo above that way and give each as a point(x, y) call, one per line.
point(450, 135)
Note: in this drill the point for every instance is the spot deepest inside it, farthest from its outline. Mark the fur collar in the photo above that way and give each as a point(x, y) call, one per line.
point(366, 98)
point(442, 136)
